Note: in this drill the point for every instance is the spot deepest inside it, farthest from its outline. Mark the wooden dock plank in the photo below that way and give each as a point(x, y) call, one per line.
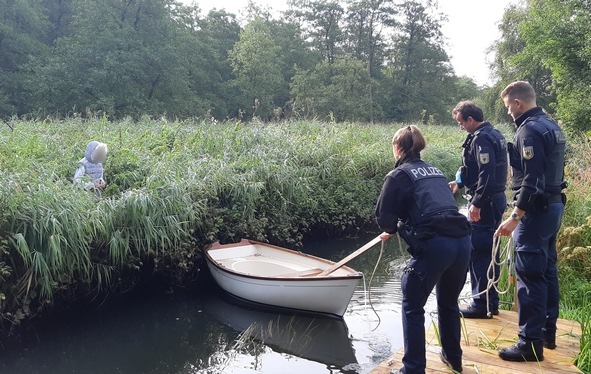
point(481, 339)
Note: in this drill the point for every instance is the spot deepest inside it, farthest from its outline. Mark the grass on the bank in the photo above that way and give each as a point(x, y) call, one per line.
point(174, 186)
point(574, 246)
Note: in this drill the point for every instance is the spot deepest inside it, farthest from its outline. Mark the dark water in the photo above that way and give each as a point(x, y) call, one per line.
point(205, 331)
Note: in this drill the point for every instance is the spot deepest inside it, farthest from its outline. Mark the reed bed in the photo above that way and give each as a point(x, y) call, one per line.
point(172, 188)
point(177, 186)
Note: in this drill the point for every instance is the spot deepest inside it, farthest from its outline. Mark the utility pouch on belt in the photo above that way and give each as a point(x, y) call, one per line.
point(416, 241)
point(538, 203)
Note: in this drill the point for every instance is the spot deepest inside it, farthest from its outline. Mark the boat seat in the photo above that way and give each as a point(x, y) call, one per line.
point(303, 273)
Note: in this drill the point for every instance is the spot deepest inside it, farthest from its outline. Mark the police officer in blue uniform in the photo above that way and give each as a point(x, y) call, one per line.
point(416, 202)
point(537, 161)
point(484, 175)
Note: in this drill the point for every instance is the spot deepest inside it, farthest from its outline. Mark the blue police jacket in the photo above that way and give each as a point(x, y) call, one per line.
point(536, 157)
point(484, 158)
point(417, 193)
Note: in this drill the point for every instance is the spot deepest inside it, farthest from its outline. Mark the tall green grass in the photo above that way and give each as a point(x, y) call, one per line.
point(174, 187)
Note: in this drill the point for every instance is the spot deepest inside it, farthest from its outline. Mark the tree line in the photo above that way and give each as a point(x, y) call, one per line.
point(355, 60)
point(546, 42)
point(338, 60)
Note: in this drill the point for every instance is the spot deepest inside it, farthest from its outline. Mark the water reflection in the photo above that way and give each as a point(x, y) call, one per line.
point(202, 331)
point(311, 337)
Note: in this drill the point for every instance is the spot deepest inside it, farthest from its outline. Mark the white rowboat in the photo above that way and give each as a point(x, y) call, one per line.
point(276, 276)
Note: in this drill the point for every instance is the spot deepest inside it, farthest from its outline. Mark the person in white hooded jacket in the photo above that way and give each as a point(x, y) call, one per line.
point(89, 171)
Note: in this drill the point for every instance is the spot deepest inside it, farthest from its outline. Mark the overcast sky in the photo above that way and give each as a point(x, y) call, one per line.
point(472, 27)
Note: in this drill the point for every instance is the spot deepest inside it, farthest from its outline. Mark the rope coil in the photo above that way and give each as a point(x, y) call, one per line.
point(505, 257)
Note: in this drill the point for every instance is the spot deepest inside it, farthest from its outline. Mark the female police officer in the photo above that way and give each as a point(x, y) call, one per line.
point(416, 202)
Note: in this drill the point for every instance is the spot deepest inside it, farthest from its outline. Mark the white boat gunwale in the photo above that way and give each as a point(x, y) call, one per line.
point(298, 276)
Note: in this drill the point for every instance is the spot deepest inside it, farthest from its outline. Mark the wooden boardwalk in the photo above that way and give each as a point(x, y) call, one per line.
point(481, 339)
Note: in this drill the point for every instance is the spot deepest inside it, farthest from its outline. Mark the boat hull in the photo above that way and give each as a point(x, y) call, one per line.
point(280, 277)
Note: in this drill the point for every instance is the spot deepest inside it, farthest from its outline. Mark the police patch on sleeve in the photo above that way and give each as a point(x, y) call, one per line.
point(528, 152)
point(484, 158)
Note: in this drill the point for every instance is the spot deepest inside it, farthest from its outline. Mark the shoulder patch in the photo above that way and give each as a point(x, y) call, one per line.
point(484, 158)
point(528, 152)
point(559, 136)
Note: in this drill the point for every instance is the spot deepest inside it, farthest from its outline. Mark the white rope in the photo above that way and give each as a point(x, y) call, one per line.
point(369, 285)
point(505, 256)
point(364, 290)
point(368, 294)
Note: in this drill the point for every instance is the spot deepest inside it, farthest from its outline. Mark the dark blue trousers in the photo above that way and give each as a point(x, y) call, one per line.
point(537, 275)
point(443, 265)
point(482, 243)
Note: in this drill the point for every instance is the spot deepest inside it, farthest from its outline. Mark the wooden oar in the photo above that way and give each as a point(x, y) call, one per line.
point(334, 267)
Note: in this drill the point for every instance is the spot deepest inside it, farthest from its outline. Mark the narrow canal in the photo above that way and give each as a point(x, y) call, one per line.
point(203, 330)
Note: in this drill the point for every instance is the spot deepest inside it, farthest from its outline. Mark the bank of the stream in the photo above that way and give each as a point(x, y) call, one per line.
point(173, 188)
point(201, 329)
point(176, 186)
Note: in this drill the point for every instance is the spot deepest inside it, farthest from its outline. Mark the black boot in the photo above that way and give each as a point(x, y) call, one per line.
point(523, 351)
point(473, 312)
point(550, 339)
point(457, 368)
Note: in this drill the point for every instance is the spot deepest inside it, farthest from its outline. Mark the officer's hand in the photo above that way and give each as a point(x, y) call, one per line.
point(385, 236)
point(453, 185)
point(474, 213)
point(506, 228)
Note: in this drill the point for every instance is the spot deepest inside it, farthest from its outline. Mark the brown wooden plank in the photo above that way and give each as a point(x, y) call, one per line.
point(358, 252)
point(481, 339)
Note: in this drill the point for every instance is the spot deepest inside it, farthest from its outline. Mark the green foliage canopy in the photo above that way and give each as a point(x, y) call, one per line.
point(546, 42)
point(162, 58)
point(559, 35)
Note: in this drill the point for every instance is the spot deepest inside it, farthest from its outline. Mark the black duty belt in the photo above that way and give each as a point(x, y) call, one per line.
point(551, 199)
point(554, 199)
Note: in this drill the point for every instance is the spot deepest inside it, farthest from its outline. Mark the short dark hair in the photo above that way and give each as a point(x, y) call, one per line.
point(520, 90)
point(468, 109)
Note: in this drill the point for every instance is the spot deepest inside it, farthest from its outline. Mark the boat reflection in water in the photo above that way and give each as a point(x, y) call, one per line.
point(313, 337)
